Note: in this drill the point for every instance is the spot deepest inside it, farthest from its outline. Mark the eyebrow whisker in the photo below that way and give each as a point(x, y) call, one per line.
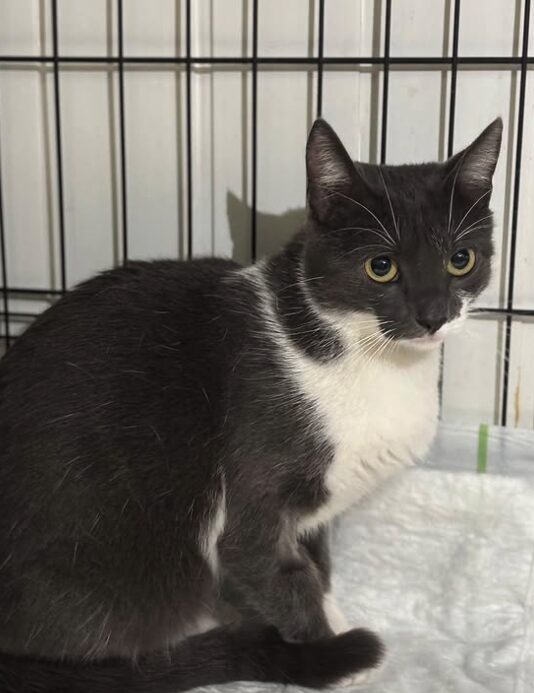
point(390, 205)
point(350, 199)
point(469, 210)
point(473, 227)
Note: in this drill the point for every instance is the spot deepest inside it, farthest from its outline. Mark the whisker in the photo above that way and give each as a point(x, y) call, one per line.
point(360, 248)
point(300, 282)
point(470, 228)
point(452, 192)
point(369, 339)
point(350, 199)
point(370, 348)
point(373, 345)
point(469, 210)
point(356, 228)
point(390, 205)
point(378, 351)
point(382, 349)
point(376, 232)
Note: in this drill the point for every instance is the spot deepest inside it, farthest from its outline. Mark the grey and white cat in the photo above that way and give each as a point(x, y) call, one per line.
point(175, 437)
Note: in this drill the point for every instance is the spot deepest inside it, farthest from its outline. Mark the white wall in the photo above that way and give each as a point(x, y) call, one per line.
point(221, 108)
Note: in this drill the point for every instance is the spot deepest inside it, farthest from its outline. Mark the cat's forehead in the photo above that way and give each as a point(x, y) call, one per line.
point(412, 201)
point(408, 180)
point(415, 192)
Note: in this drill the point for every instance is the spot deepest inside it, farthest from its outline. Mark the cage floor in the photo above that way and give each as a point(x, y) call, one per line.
point(440, 563)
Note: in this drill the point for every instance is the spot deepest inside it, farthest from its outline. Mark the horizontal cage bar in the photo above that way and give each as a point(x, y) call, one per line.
point(289, 60)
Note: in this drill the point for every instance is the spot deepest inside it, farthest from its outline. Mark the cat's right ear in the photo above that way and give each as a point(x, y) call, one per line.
point(330, 171)
point(473, 168)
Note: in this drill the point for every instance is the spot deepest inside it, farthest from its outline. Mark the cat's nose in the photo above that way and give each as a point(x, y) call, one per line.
point(432, 323)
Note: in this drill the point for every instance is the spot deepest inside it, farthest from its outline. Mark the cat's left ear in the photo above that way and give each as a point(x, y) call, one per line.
point(330, 171)
point(472, 169)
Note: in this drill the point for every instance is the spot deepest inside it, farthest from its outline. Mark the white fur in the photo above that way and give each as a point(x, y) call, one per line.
point(336, 620)
point(213, 530)
point(379, 415)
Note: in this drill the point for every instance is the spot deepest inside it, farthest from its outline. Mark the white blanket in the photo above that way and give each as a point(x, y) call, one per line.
point(441, 565)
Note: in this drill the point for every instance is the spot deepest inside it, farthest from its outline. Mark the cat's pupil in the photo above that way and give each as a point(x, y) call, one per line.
point(381, 266)
point(460, 259)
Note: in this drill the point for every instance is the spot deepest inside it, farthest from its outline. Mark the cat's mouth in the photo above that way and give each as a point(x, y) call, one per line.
point(425, 341)
point(429, 341)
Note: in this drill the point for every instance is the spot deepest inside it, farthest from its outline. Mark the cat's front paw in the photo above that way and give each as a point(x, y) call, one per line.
point(336, 619)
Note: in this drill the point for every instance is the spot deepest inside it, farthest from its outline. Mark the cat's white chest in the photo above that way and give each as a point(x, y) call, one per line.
point(378, 418)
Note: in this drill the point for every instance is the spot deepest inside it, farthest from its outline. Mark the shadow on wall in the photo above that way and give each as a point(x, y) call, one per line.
point(273, 230)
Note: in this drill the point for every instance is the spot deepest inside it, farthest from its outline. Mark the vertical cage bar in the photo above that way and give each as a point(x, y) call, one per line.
point(454, 76)
point(188, 125)
point(385, 83)
point(515, 212)
point(254, 132)
point(59, 154)
point(122, 131)
point(450, 142)
point(320, 56)
point(3, 266)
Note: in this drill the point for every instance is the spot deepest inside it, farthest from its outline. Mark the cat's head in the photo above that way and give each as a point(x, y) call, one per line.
point(411, 245)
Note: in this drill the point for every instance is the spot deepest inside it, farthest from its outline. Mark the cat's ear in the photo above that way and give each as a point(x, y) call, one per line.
point(330, 171)
point(472, 169)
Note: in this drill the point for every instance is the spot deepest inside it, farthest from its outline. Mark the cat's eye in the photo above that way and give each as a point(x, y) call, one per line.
point(381, 269)
point(461, 262)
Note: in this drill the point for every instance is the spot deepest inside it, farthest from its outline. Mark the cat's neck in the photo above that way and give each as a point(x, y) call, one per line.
point(297, 314)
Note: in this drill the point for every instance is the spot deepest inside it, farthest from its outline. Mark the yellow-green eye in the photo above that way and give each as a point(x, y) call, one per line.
point(461, 262)
point(381, 269)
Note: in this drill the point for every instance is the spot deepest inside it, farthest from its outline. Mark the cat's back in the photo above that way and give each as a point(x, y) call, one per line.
point(131, 312)
point(127, 355)
point(129, 296)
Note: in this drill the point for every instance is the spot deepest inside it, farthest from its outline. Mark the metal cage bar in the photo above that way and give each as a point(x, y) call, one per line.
point(122, 131)
point(320, 59)
point(454, 76)
point(473, 61)
point(59, 155)
point(515, 213)
point(189, 125)
point(254, 136)
point(385, 82)
point(3, 265)
point(450, 143)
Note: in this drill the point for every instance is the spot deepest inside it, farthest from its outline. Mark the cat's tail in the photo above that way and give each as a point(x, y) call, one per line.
point(218, 656)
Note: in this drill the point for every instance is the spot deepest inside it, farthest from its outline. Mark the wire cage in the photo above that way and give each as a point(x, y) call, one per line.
point(382, 62)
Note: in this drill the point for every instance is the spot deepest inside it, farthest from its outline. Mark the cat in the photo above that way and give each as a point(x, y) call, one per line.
point(175, 437)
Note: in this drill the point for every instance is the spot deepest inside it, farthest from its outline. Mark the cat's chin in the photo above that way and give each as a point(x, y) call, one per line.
point(426, 343)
